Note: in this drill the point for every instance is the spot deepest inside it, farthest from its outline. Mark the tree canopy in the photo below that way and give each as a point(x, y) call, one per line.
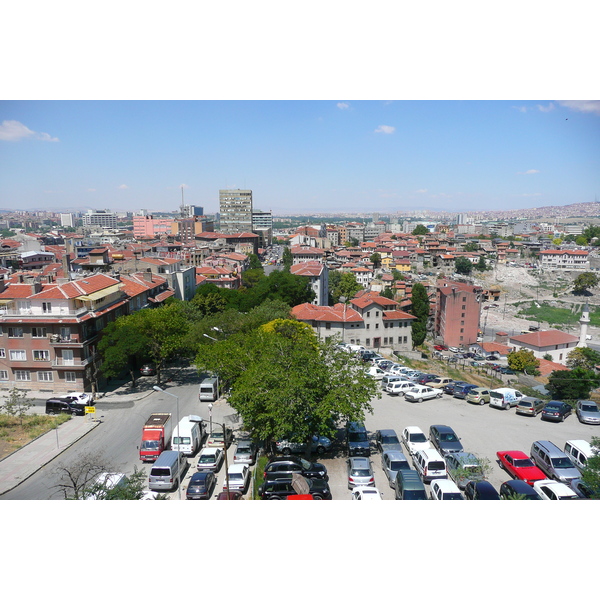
point(420, 309)
point(585, 358)
point(286, 383)
point(420, 230)
point(572, 385)
point(342, 284)
point(463, 266)
point(584, 282)
point(524, 360)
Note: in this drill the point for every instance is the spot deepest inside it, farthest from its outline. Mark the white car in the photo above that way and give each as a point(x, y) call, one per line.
point(364, 492)
point(444, 489)
point(216, 438)
point(422, 392)
point(210, 459)
point(414, 440)
point(78, 398)
point(239, 478)
point(399, 388)
point(376, 372)
point(549, 489)
point(453, 349)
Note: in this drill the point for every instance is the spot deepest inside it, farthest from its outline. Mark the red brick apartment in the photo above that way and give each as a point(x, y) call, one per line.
point(457, 312)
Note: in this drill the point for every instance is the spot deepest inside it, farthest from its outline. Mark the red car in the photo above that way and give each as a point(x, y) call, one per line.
point(520, 466)
point(440, 348)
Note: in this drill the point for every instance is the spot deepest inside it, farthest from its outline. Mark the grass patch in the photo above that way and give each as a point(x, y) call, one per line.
point(14, 435)
point(557, 315)
point(259, 470)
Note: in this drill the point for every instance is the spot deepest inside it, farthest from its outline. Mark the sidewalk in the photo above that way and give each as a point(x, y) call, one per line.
point(21, 464)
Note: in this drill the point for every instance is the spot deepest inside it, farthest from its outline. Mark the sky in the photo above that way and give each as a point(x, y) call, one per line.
point(321, 156)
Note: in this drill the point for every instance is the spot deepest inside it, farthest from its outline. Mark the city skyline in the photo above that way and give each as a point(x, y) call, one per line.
point(320, 156)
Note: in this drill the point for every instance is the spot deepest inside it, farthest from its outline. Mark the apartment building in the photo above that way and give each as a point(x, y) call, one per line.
point(457, 312)
point(235, 208)
point(318, 276)
point(564, 259)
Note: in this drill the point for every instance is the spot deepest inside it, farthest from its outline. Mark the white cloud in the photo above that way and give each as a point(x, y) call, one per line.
point(123, 187)
point(385, 129)
point(91, 189)
point(343, 105)
point(421, 191)
point(586, 106)
point(529, 172)
point(13, 131)
point(522, 109)
point(548, 108)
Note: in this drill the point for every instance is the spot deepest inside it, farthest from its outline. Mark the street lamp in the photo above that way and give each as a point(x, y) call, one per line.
point(210, 407)
point(209, 337)
point(159, 389)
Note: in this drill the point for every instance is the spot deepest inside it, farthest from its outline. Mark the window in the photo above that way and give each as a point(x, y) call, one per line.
point(38, 332)
point(18, 355)
point(15, 332)
point(376, 325)
point(22, 376)
point(391, 324)
point(46, 307)
point(3, 375)
point(368, 342)
point(369, 314)
point(405, 339)
point(327, 325)
point(368, 326)
point(45, 376)
point(376, 313)
point(2, 353)
point(70, 376)
point(385, 341)
point(41, 355)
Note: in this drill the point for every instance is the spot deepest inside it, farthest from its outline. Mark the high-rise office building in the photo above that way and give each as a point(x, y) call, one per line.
point(235, 207)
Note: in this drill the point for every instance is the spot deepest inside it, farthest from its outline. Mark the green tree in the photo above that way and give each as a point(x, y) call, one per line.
point(580, 240)
point(585, 358)
point(397, 275)
point(591, 471)
point(574, 384)
point(287, 259)
point(584, 281)
point(481, 265)
point(208, 303)
point(388, 293)
point(345, 285)
point(463, 266)
point(420, 230)
point(254, 262)
point(591, 232)
point(471, 247)
point(420, 309)
point(289, 387)
point(6, 233)
point(251, 277)
point(524, 360)
point(17, 404)
point(375, 258)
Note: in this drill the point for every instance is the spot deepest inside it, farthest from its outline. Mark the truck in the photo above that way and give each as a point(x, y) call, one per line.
point(156, 436)
point(189, 435)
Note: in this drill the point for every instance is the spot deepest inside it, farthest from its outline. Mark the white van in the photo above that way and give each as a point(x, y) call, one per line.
point(390, 379)
point(505, 397)
point(188, 435)
point(430, 465)
point(579, 451)
point(168, 469)
point(399, 388)
point(208, 391)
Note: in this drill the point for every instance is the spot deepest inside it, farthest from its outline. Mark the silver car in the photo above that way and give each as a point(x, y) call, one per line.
point(210, 459)
point(587, 412)
point(360, 472)
point(463, 467)
point(393, 461)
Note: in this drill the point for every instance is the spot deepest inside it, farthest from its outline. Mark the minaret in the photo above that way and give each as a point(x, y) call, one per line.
point(585, 319)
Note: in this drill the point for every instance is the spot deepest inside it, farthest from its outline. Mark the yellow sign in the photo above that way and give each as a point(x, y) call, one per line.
point(90, 410)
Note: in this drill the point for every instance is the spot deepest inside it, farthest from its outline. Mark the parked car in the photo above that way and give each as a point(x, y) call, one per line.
point(320, 444)
point(386, 439)
point(414, 439)
point(148, 370)
point(285, 466)
point(439, 382)
point(580, 488)
point(360, 471)
point(444, 489)
point(463, 467)
point(385, 364)
point(449, 387)
point(210, 459)
point(393, 461)
point(399, 388)
point(478, 395)
point(440, 347)
point(363, 492)
point(55, 406)
point(218, 439)
point(375, 372)
point(461, 391)
point(548, 489)
point(556, 410)
point(422, 392)
point(280, 489)
point(453, 349)
point(426, 378)
point(245, 453)
point(530, 406)
point(518, 488)
point(230, 495)
point(201, 486)
point(520, 466)
point(357, 439)
point(444, 439)
point(80, 398)
point(587, 412)
point(238, 477)
point(481, 490)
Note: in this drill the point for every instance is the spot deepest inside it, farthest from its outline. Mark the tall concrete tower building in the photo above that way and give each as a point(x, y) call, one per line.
point(236, 211)
point(583, 324)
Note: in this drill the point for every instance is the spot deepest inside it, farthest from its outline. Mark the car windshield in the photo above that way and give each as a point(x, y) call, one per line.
point(448, 437)
point(358, 436)
point(217, 435)
point(181, 440)
point(305, 464)
point(235, 476)
point(206, 459)
point(453, 496)
point(150, 445)
point(562, 463)
point(399, 465)
point(415, 495)
point(417, 437)
point(523, 462)
point(590, 407)
point(389, 439)
point(360, 473)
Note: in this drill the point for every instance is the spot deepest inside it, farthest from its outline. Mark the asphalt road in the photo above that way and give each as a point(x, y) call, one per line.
point(483, 430)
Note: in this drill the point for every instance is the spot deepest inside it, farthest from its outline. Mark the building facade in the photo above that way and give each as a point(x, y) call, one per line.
point(458, 310)
point(235, 209)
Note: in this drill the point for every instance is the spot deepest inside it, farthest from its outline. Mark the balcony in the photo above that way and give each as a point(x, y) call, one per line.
point(71, 363)
point(38, 312)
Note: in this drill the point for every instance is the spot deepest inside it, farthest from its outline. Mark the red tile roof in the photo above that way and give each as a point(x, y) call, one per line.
point(338, 313)
point(542, 339)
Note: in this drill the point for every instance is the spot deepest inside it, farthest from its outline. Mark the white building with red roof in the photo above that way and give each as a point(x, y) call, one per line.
point(370, 320)
point(564, 259)
point(553, 342)
point(318, 276)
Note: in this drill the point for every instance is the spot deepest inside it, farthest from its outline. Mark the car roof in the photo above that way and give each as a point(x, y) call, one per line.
point(515, 453)
point(210, 450)
point(445, 484)
point(237, 467)
point(360, 460)
point(518, 484)
point(395, 455)
point(387, 432)
point(201, 475)
point(441, 428)
point(413, 429)
point(465, 457)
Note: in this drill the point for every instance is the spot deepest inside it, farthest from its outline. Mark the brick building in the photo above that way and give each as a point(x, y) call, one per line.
point(458, 307)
